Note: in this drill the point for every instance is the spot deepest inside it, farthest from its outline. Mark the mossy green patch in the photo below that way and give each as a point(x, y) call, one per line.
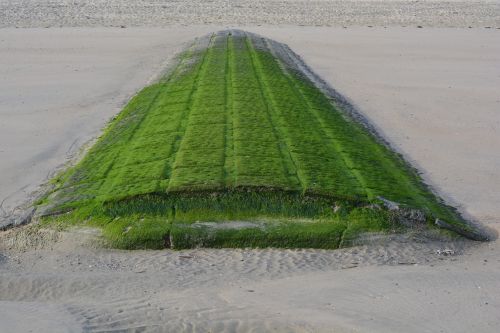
point(234, 132)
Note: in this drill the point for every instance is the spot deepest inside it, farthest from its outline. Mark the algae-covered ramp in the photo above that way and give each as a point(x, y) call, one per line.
point(238, 130)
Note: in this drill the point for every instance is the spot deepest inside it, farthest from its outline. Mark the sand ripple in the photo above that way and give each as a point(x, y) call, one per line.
point(63, 283)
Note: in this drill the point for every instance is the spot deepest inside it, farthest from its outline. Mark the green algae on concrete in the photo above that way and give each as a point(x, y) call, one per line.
point(237, 132)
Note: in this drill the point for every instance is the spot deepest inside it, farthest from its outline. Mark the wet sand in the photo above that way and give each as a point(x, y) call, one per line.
point(431, 92)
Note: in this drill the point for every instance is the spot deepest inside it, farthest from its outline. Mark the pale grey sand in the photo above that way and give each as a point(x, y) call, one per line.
point(432, 93)
point(55, 283)
point(429, 13)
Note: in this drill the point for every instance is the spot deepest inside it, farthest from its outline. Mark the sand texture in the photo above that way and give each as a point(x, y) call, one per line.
point(60, 284)
point(48, 13)
point(433, 93)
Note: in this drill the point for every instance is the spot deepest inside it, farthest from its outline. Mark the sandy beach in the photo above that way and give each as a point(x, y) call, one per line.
point(118, 13)
point(432, 92)
point(61, 284)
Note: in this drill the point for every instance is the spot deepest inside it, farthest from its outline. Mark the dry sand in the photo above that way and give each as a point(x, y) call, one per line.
point(116, 13)
point(432, 92)
point(52, 282)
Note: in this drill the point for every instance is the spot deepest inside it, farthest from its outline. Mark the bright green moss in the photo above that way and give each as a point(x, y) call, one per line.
point(235, 133)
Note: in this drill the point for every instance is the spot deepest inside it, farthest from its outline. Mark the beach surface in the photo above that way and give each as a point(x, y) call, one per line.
point(432, 92)
point(57, 282)
point(118, 13)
